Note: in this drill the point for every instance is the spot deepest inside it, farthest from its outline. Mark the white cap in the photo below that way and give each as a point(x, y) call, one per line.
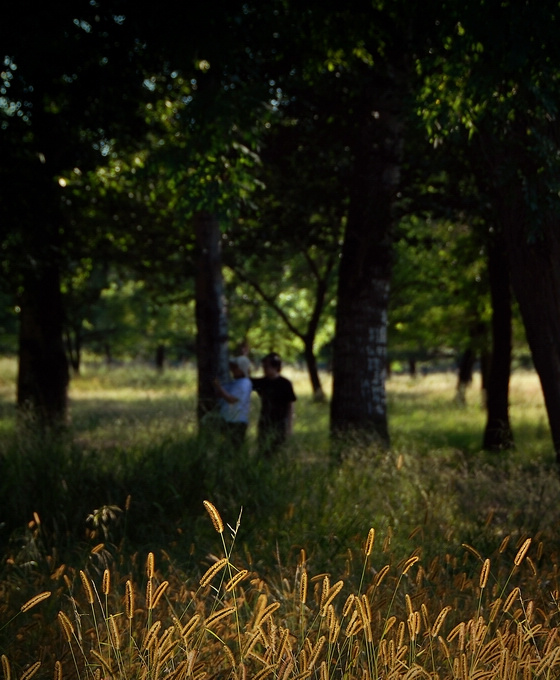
point(243, 364)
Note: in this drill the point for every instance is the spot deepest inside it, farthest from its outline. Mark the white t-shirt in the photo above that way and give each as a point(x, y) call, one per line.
point(238, 412)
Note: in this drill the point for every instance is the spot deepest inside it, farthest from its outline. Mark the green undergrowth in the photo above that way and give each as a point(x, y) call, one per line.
point(129, 474)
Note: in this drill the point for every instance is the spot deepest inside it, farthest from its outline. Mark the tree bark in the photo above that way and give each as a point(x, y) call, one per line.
point(535, 274)
point(465, 374)
point(498, 435)
point(311, 362)
point(360, 343)
point(211, 317)
point(43, 376)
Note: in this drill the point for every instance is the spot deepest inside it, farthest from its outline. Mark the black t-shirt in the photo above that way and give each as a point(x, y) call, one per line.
point(276, 394)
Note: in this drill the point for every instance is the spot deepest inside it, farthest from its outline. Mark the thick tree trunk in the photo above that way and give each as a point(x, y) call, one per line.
point(42, 381)
point(498, 435)
point(535, 276)
point(211, 317)
point(360, 343)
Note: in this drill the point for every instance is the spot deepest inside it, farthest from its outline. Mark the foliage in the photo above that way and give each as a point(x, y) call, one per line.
point(129, 480)
point(456, 617)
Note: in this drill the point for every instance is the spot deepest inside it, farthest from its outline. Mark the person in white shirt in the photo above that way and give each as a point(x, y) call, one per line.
point(235, 401)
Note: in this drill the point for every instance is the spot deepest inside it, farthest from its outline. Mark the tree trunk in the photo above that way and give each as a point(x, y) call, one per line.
point(498, 435)
point(211, 318)
point(535, 276)
point(311, 362)
point(360, 343)
point(160, 358)
point(43, 378)
point(74, 349)
point(465, 374)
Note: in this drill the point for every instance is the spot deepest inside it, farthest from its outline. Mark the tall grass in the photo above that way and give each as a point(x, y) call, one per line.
point(129, 477)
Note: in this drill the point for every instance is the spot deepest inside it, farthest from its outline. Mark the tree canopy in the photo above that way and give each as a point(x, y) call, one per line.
point(379, 169)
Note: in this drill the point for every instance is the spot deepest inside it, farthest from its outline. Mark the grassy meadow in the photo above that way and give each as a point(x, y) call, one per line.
point(134, 548)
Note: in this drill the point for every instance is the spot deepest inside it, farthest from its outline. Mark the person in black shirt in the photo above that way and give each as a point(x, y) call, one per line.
point(277, 405)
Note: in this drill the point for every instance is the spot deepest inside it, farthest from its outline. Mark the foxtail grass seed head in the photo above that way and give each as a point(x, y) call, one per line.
point(303, 587)
point(158, 593)
point(6, 669)
point(485, 572)
point(495, 609)
point(282, 646)
point(149, 593)
point(189, 627)
point(212, 571)
point(35, 601)
point(214, 516)
point(331, 594)
point(367, 608)
point(348, 605)
point(129, 600)
point(522, 552)
point(236, 580)
point(400, 634)
point(101, 659)
point(369, 542)
point(324, 591)
point(409, 563)
point(30, 672)
point(267, 612)
point(473, 551)
point(57, 670)
point(218, 616)
point(411, 623)
point(265, 672)
point(315, 652)
point(439, 621)
point(106, 584)
point(511, 599)
point(115, 635)
point(381, 575)
point(504, 544)
point(334, 632)
point(151, 635)
point(408, 602)
point(66, 626)
point(425, 616)
point(389, 624)
point(88, 590)
point(150, 565)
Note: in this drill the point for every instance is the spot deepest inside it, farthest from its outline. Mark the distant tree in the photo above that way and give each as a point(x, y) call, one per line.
point(71, 83)
point(497, 77)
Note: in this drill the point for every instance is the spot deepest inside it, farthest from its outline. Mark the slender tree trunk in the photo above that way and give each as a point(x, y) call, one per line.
point(465, 374)
point(160, 358)
point(498, 435)
point(360, 343)
point(535, 276)
point(43, 378)
point(311, 362)
point(74, 349)
point(211, 318)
